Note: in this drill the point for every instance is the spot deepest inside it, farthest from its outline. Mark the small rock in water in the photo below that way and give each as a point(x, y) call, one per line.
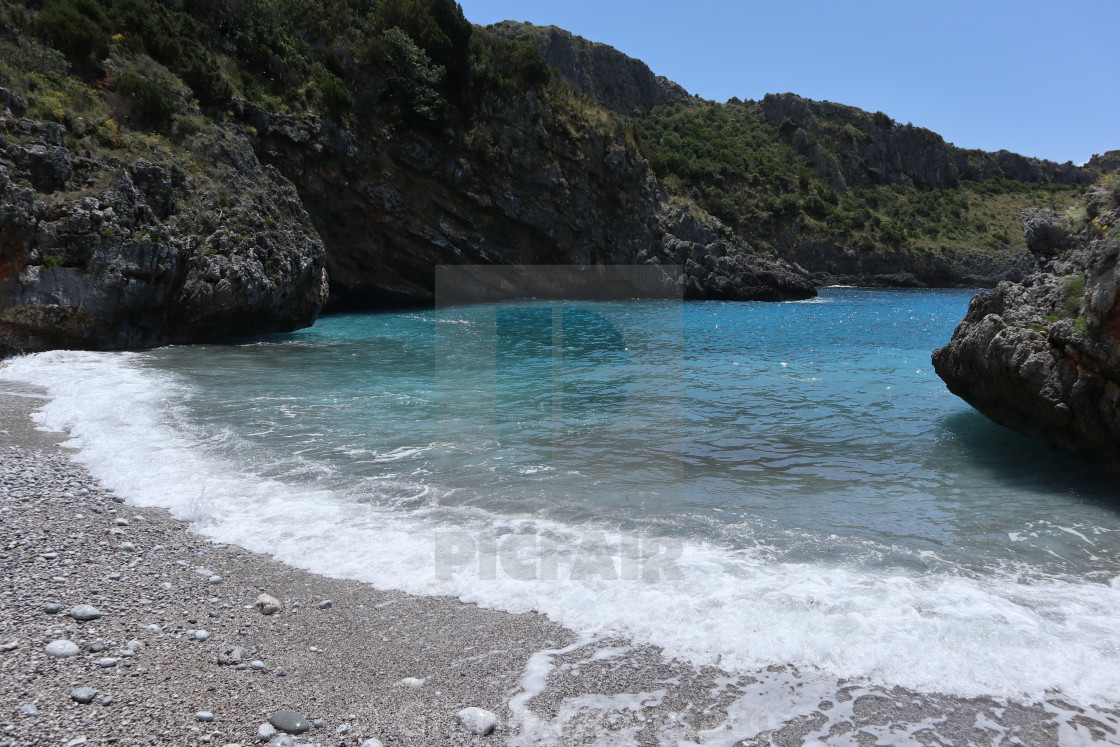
point(85, 612)
point(266, 732)
point(290, 722)
point(215, 579)
point(477, 720)
point(201, 635)
point(83, 695)
point(61, 649)
point(267, 605)
point(204, 716)
point(51, 608)
point(107, 662)
point(414, 682)
point(29, 710)
point(326, 604)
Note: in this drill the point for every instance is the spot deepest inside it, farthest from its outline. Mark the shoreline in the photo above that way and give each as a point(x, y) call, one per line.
point(62, 542)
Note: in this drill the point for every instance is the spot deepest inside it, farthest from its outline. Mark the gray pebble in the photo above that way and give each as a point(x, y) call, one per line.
point(107, 662)
point(201, 635)
point(204, 716)
point(29, 710)
point(326, 604)
point(318, 723)
point(61, 649)
point(258, 665)
point(128, 547)
point(9, 646)
point(282, 741)
point(215, 579)
point(152, 628)
point(266, 732)
point(107, 700)
point(52, 608)
point(120, 522)
point(290, 722)
point(371, 742)
point(83, 695)
point(134, 645)
point(267, 605)
point(98, 646)
point(85, 612)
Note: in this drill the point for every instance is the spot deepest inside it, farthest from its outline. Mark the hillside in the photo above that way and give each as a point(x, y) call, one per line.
point(175, 172)
point(850, 195)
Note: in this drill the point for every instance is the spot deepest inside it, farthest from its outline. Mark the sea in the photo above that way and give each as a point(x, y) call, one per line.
point(740, 484)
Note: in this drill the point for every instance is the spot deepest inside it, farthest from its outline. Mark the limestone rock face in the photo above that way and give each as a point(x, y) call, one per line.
point(1043, 356)
point(391, 210)
point(618, 82)
point(101, 253)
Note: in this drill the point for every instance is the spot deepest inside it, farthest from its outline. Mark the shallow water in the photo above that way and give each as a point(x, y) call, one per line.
point(745, 484)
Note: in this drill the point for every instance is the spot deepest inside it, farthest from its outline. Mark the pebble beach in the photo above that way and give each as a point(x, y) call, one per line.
point(119, 625)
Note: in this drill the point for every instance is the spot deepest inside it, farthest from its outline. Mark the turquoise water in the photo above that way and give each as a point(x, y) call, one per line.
point(826, 500)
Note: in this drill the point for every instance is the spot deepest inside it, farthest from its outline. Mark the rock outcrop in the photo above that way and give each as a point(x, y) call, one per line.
point(851, 147)
point(1043, 356)
point(537, 188)
point(619, 82)
point(102, 253)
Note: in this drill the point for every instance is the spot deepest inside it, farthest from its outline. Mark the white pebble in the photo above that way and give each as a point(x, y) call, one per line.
point(477, 720)
point(201, 635)
point(266, 732)
point(414, 682)
point(152, 628)
point(61, 649)
point(128, 547)
point(134, 644)
point(258, 665)
point(215, 579)
point(204, 716)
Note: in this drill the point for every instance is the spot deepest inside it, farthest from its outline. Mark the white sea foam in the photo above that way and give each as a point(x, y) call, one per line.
point(1005, 635)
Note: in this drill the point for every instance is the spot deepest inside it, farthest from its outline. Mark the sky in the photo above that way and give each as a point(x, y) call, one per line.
point(1036, 78)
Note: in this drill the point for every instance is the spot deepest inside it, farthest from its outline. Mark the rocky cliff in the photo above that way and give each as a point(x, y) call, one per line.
point(852, 147)
point(619, 82)
point(537, 184)
point(1043, 356)
point(99, 252)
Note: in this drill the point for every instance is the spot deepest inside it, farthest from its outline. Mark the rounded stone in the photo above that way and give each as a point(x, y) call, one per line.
point(51, 608)
point(215, 579)
point(83, 695)
point(326, 604)
point(204, 716)
point(201, 635)
point(371, 742)
point(267, 605)
point(61, 649)
point(477, 720)
point(266, 732)
point(414, 682)
point(85, 612)
point(107, 662)
point(290, 722)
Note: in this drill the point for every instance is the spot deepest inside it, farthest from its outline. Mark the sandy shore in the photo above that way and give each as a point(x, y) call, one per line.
point(65, 540)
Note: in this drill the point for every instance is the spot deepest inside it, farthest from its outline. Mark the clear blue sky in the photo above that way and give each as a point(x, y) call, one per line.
point(1037, 78)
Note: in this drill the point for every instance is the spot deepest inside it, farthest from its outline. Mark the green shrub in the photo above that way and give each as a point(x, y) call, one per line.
point(150, 100)
point(1074, 289)
point(77, 28)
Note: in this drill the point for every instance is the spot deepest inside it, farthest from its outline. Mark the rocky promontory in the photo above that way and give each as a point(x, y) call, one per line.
point(101, 252)
point(1043, 356)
